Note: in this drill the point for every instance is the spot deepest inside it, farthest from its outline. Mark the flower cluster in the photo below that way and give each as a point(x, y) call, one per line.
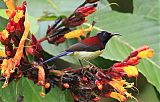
point(13, 36)
point(91, 83)
point(63, 27)
point(85, 84)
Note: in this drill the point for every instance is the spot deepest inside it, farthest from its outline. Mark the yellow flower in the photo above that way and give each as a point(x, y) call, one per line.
point(10, 6)
point(146, 53)
point(118, 96)
point(4, 34)
point(118, 85)
point(78, 33)
point(7, 67)
point(131, 71)
point(18, 16)
point(2, 53)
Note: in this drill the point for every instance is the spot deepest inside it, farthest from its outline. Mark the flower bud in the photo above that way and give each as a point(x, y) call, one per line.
point(99, 85)
point(66, 85)
point(85, 10)
point(47, 85)
point(74, 21)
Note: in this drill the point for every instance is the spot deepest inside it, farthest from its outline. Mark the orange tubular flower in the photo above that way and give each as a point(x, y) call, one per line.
point(19, 52)
point(66, 85)
point(47, 85)
point(117, 96)
point(10, 6)
point(42, 94)
point(99, 85)
point(7, 67)
point(118, 85)
point(130, 71)
point(146, 53)
point(41, 76)
point(77, 33)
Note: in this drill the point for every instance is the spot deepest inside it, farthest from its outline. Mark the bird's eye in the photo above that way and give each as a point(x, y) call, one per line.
point(104, 34)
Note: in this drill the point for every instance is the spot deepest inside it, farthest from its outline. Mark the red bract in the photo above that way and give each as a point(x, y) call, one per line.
point(34, 48)
point(85, 11)
point(74, 21)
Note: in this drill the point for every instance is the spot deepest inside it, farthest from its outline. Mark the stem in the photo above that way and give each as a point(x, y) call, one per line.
point(42, 39)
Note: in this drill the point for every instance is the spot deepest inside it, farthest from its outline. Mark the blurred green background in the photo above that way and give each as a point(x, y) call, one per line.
point(137, 20)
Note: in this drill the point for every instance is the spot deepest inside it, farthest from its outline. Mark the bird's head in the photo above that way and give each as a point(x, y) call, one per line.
point(104, 36)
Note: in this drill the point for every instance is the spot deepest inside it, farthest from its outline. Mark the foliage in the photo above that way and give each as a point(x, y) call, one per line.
point(139, 25)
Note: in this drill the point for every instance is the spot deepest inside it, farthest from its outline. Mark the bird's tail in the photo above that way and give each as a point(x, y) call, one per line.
point(58, 56)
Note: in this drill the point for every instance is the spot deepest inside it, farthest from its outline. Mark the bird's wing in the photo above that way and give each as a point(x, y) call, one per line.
point(83, 47)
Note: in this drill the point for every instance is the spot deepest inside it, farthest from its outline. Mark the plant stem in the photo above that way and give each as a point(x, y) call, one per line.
point(42, 39)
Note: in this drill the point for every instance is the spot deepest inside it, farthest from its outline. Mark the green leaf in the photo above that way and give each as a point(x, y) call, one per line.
point(2, 5)
point(3, 13)
point(41, 7)
point(136, 31)
point(147, 8)
point(3, 23)
point(34, 24)
point(49, 18)
point(30, 92)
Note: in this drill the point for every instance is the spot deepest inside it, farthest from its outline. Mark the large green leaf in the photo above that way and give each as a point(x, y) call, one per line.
point(30, 92)
point(137, 31)
point(147, 8)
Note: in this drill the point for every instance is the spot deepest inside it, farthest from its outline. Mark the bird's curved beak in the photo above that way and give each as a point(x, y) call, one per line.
point(113, 34)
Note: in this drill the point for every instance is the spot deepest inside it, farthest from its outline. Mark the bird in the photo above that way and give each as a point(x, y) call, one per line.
point(89, 48)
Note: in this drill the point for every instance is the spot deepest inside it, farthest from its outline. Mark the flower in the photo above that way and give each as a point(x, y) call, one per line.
point(8, 66)
point(143, 52)
point(19, 14)
point(147, 53)
point(117, 96)
point(4, 35)
point(41, 76)
point(10, 6)
point(130, 71)
point(118, 85)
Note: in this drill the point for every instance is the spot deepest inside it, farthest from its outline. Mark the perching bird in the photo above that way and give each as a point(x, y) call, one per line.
point(88, 48)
